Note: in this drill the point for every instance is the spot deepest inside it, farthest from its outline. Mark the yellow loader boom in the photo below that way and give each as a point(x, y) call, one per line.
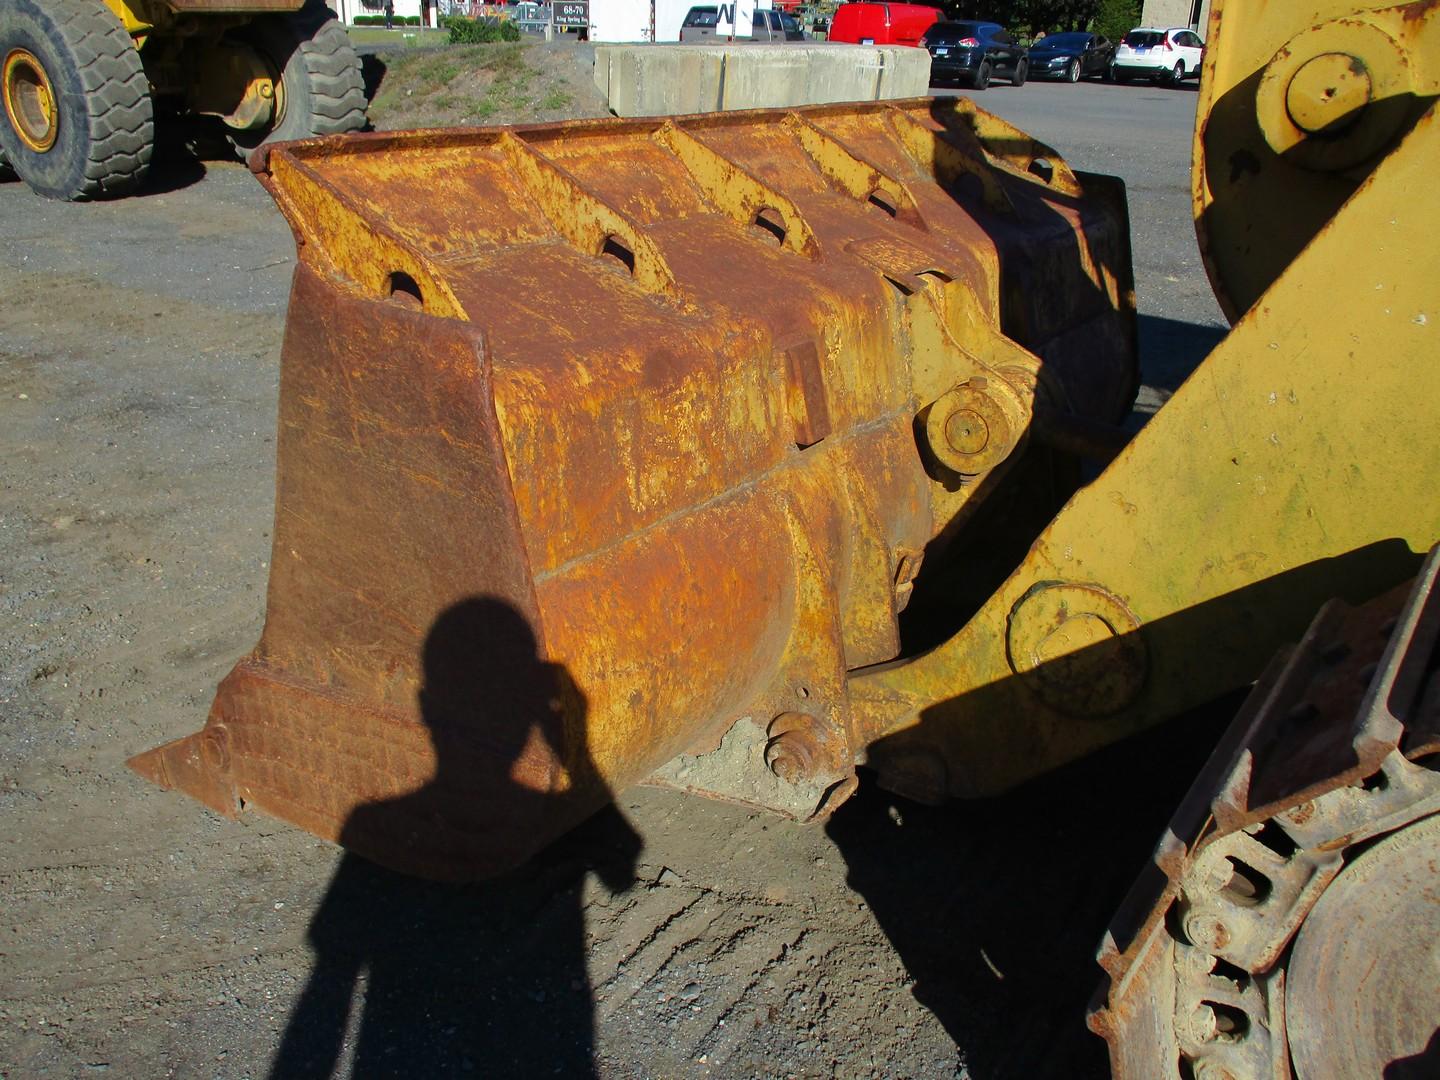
point(1287, 924)
point(1296, 464)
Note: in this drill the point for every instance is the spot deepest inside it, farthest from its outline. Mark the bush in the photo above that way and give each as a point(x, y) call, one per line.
point(379, 20)
point(465, 31)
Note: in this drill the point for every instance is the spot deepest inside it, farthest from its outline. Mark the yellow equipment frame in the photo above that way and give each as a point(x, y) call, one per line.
point(1295, 465)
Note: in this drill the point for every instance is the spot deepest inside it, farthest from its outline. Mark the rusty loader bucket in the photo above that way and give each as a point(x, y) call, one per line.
point(607, 450)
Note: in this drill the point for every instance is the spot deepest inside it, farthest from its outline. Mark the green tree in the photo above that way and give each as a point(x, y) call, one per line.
point(1116, 17)
point(1028, 16)
point(1051, 15)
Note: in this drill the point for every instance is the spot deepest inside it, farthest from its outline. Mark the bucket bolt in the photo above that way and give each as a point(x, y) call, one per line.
point(1207, 931)
point(1327, 94)
point(792, 750)
point(1328, 99)
point(967, 428)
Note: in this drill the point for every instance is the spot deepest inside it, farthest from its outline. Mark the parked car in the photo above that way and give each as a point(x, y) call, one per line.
point(973, 52)
point(1170, 54)
point(765, 26)
point(882, 24)
point(1071, 56)
point(793, 30)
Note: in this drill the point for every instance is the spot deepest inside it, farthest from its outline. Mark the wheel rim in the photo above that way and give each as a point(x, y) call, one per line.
point(30, 100)
point(277, 81)
point(1074, 71)
point(250, 138)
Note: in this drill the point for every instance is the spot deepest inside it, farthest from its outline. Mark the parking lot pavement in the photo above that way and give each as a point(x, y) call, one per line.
point(140, 935)
point(1141, 133)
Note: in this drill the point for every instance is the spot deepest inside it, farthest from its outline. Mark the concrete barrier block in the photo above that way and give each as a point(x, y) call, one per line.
point(765, 77)
point(905, 72)
point(602, 69)
point(663, 81)
point(666, 80)
point(843, 73)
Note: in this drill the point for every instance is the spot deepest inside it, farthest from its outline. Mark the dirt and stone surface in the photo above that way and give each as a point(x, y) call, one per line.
point(141, 935)
point(506, 83)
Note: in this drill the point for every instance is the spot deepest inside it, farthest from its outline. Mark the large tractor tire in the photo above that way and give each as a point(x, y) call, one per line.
point(76, 121)
point(320, 91)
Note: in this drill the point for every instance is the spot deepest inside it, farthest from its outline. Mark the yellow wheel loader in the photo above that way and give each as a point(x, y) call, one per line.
point(83, 82)
point(649, 520)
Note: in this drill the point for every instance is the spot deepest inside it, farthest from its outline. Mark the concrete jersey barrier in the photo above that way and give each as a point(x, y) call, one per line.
point(669, 80)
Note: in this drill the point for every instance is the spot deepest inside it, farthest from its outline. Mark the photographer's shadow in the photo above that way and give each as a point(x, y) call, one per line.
point(424, 978)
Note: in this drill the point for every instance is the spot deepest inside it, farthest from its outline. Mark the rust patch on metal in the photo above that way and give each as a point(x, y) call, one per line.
point(806, 394)
point(625, 413)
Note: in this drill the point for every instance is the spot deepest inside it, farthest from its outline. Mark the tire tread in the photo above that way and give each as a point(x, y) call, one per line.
point(312, 48)
point(336, 85)
point(120, 113)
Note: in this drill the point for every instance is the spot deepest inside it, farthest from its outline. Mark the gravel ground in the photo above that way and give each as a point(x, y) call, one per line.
point(142, 936)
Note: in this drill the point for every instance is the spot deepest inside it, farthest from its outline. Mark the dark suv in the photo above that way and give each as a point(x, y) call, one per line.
point(973, 52)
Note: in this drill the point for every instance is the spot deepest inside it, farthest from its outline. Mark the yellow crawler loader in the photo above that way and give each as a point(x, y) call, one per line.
point(648, 520)
point(84, 82)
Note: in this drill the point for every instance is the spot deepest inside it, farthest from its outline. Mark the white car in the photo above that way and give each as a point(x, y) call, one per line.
point(1172, 53)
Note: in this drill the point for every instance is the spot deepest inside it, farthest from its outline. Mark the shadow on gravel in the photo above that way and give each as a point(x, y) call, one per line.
point(178, 161)
point(996, 906)
point(372, 71)
point(1172, 349)
point(429, 979)
point(418, 978)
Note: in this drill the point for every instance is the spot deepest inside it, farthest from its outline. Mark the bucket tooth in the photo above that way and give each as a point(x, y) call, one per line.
point(182, 766)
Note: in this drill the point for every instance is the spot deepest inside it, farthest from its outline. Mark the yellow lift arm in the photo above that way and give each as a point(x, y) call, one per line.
point(1296, 464)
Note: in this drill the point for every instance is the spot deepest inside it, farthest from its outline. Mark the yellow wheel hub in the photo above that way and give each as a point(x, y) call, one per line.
point(30, 100)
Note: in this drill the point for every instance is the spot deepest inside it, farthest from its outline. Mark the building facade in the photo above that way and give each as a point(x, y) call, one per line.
point(425, 10)
point(1192, 13)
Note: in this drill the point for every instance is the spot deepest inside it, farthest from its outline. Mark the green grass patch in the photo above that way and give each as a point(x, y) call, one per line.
point(481, 108)
point(557, 97)
point(409, 36)
point(502, 59)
